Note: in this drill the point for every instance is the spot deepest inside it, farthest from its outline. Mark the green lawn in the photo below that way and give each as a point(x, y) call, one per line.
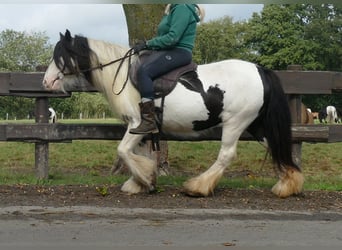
point(90, 162)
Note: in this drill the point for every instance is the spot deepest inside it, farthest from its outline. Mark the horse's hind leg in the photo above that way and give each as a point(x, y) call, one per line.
point(290, 182)
point(204, 184)
point(143, 169)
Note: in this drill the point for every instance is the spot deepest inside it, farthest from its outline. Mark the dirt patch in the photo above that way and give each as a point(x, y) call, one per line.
point(168, 197)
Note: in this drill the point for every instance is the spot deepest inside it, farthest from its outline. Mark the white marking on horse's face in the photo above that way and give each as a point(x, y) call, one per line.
point(52, 78)
point(55, 80)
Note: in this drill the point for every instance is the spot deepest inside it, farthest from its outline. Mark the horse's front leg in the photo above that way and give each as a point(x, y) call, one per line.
point(205, 183)
point(143, 169)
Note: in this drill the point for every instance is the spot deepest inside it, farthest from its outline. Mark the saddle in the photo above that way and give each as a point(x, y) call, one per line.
point(164, 84)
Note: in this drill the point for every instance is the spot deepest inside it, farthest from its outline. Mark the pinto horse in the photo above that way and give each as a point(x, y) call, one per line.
point(234, 95)
point(328, 115)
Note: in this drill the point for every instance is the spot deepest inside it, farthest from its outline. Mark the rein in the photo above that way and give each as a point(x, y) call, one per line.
point(128, 54)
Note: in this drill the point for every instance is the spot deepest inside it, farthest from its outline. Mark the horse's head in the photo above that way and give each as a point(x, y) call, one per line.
point(70, 65)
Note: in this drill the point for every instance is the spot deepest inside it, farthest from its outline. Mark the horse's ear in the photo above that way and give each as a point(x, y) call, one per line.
point(61, 36)
point(68, 35)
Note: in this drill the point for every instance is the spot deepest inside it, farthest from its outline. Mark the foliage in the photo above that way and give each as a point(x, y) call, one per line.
point(22, 51)
point(16, 107)
point(304, 34)
point(90, 105)
point(218, 40)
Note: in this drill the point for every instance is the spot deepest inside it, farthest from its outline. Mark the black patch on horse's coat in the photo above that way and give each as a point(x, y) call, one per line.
point(70, 49)
point(213, 100)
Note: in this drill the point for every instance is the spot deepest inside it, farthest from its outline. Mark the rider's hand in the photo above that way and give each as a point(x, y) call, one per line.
point(139, 46)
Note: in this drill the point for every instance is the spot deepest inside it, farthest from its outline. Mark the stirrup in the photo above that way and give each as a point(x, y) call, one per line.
point(155, 139)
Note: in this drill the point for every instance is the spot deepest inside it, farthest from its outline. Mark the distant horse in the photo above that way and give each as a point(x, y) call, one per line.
point(306, 115)
point(53, 115)
point(328, 115)
point(339, 114)
point(314, 115)
point(232, 94)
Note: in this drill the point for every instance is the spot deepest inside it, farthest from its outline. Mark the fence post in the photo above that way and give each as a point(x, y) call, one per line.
point(42, 148)
point(295, 103)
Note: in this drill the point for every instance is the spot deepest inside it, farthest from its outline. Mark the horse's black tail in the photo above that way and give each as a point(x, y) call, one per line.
point(274, 121)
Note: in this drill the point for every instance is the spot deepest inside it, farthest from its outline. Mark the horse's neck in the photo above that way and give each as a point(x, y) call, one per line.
point(124, 103)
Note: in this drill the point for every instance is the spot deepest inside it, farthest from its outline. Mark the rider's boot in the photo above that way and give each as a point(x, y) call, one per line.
point(148, 123)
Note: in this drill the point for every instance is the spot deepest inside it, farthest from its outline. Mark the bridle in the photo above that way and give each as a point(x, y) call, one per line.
point(128, 54)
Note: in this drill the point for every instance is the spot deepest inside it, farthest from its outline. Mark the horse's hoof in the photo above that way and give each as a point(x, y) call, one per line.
point(192, 194)
point(196, 188)
point(152, 189)
point(290, 183)
point(131, 187)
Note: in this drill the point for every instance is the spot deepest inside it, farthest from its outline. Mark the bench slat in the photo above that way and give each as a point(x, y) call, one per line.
point(64, 132)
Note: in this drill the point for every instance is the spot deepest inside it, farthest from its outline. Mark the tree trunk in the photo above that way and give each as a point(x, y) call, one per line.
point(142, 22)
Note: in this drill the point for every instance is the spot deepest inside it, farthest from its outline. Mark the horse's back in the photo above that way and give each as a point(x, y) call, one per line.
point(230, 74)
point(227, 67)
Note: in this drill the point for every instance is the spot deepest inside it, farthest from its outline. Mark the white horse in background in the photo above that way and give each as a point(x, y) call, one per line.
point(331, 114)
point(328, 115)
point(232, 94)
point(53, 115)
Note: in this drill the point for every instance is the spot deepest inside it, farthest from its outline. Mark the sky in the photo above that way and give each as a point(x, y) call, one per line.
point(98, 21)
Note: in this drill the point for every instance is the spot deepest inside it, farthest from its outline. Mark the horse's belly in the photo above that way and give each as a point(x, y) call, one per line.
point(181, 108)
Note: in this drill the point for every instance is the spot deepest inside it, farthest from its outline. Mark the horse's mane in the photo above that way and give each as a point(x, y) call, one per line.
point(73, 54)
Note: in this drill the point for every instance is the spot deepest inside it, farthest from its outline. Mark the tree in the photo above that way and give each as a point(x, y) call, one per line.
point(306, 34)
point(324, 28)
point(218, 40)
point(21, 51)
point(142, 20)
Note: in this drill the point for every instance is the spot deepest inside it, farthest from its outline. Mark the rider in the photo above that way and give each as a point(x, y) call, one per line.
point(174, 43)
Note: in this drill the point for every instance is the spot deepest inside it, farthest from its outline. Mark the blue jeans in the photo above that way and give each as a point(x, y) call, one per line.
point(157, 65)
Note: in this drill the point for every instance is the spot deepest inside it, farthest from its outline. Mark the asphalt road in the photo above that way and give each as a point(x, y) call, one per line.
point(106, 228)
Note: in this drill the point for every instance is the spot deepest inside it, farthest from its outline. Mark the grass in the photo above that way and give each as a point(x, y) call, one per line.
point(89, 162)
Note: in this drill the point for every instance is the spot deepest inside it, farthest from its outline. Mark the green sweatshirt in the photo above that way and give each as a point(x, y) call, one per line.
point(177, 29)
